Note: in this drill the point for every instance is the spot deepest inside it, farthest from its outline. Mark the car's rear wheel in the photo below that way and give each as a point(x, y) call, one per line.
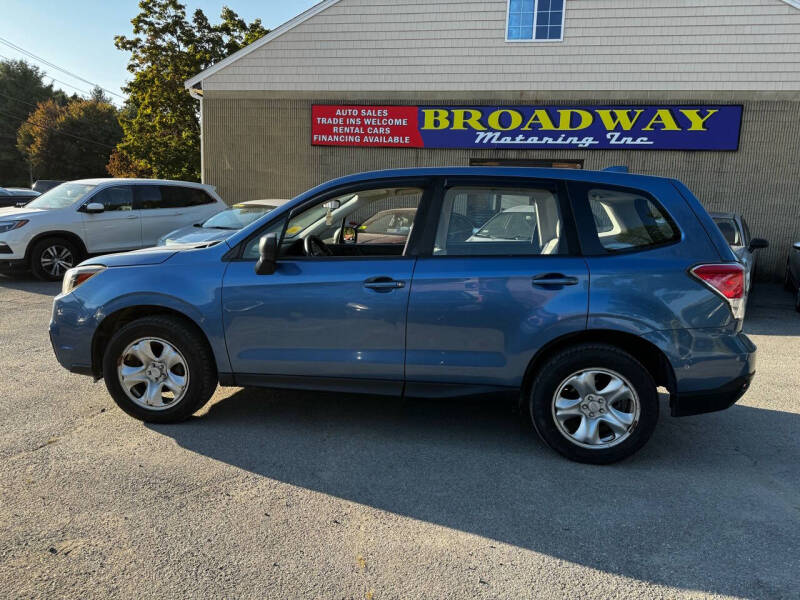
point(50, 258)
point(594, 403)
point(159, 369)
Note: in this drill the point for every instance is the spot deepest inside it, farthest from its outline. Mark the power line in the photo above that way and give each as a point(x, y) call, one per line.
point(40, 126)
point(54, 66)
point(46, 74)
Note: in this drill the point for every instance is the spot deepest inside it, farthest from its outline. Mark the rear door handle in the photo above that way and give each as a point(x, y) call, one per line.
point(553, 279)
point(383, 284)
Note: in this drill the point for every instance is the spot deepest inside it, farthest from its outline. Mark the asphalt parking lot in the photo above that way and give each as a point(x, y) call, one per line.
point(290, 495)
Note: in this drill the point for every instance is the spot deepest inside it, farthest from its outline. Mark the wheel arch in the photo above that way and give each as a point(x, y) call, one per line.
point(58, 233)
point(113, 321)
point(647, 353)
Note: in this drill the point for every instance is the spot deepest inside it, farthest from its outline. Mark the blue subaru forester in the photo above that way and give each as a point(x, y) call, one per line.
point(579, 293)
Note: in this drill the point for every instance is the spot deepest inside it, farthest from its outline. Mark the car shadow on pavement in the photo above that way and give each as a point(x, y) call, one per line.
point(710, 504)
point(26, 282)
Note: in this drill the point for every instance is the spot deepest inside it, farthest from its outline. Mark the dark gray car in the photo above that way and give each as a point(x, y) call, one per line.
point(791, 280)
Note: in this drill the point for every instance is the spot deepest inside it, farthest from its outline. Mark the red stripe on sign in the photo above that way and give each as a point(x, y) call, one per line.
point(387, 126)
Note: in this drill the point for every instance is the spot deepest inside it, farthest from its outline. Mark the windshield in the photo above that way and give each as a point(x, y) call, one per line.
point(237, 217)
point(61, 196)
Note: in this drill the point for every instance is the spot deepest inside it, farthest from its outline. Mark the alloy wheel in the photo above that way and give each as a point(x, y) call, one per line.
point(596, 408)
point(153, 373)
point(56, 259)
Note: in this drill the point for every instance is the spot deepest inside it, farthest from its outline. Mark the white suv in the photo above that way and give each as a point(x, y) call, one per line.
point(94, 216)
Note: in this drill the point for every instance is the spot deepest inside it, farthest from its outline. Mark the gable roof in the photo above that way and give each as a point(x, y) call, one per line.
point(277, 32)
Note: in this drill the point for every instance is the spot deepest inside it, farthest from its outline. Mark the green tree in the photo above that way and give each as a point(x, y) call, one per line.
point(22, 87)
point(160, 121)
point(72, 141)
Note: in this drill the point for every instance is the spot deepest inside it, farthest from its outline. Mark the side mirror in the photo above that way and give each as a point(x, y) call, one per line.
point(94, 208)
point(268, 254)
point(796, 245)
point(757, 244)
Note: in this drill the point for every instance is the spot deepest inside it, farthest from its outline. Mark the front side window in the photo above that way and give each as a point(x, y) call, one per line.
point(61, 196)
point(479, 221)
point(115, 198)
point(627, 220)
point(371, 222)
point(535, 20)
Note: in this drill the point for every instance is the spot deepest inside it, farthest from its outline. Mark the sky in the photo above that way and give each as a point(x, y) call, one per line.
point(78, 35)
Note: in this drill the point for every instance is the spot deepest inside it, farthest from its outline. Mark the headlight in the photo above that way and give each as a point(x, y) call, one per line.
point(78, 275)
point(9, 225)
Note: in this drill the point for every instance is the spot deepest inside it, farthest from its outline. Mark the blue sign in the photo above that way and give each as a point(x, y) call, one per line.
point(633, 127)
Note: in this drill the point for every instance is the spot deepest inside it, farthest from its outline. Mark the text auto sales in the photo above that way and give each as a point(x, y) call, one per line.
point(349, 124)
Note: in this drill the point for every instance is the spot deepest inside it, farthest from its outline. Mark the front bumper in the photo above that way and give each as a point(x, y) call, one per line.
point(71, 334)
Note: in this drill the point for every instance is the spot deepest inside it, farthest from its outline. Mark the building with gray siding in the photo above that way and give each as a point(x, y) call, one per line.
point(257, 105)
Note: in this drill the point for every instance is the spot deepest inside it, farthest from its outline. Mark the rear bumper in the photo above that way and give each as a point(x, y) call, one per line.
point(697, 403)
point(712, 368)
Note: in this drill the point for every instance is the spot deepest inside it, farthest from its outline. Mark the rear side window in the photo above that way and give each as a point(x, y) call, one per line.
point(480, 221)
point(625, 220)
point(174, 196)
point(148, 197)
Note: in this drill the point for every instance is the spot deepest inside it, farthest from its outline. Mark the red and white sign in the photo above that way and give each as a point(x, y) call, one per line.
point(387, 126)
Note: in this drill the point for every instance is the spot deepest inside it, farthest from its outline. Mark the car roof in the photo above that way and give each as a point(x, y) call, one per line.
point(21, 191)
point(609, 177)
point(104, 180)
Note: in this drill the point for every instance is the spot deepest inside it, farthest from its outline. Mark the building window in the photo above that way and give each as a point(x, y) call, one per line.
point(535, 20)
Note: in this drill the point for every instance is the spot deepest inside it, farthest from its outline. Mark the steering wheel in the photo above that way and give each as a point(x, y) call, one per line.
point(313, 246)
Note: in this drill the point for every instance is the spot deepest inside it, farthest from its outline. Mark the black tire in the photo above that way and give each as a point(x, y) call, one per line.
point(787, 279)
point(67, 251)
point(190, 343)
point(586, 357)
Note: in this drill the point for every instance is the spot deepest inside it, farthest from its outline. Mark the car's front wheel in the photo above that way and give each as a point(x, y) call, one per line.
point(594, 403)
point(51, 257)
point(159, 369)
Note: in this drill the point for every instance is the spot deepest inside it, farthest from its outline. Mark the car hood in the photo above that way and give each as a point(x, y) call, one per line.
point(14, 212)
point(146, 256)
point(193, 235)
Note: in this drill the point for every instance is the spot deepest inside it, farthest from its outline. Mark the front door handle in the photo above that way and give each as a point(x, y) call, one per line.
point(383, 284)
point(553, 279)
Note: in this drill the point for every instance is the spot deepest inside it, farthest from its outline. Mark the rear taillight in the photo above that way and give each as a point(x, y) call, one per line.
point(727, 280)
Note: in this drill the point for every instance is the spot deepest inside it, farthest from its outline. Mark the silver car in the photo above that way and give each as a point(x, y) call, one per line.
point(737, 234)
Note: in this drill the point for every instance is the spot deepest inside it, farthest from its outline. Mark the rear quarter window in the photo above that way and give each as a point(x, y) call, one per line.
point(625, 220)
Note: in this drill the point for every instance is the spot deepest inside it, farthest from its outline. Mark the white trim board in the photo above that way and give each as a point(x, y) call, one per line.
point(277, 32)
